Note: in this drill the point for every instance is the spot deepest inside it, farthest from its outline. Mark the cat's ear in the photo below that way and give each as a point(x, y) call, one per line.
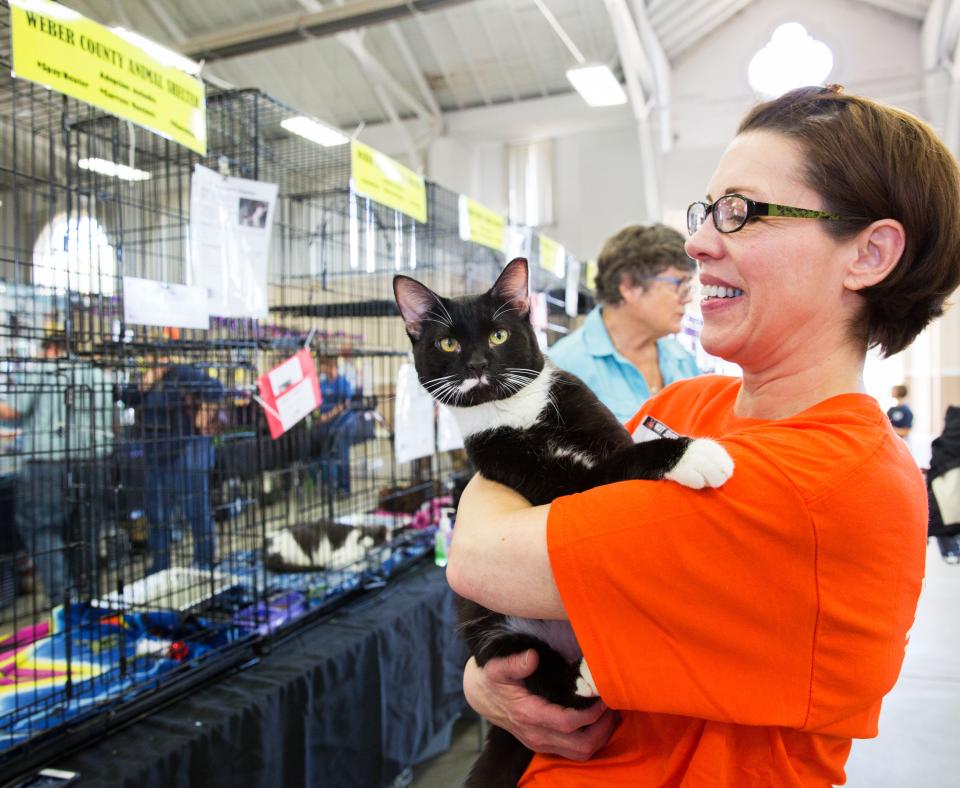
point(511, 286)
point(415, 301)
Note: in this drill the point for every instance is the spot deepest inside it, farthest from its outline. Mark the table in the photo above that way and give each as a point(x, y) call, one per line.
point(351, 701)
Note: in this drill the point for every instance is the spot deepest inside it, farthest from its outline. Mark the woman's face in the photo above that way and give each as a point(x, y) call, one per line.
point(658, 304)
point(781, 279)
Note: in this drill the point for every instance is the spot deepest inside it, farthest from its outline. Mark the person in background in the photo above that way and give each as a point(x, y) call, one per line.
point(900, 415)
point(175, 417)
point(63, 411)
point(943, 487)
point(333, 427)
point(624, 350)
point(747, 634)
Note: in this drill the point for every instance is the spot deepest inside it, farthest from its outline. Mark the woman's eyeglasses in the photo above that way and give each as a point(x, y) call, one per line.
point(681, 284)
point(732, 211)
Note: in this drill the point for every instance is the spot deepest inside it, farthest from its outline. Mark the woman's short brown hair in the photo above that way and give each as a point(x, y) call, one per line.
point(638, 252)
point(871, 160)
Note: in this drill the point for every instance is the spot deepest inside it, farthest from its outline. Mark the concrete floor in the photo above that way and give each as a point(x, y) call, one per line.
point(919, 741)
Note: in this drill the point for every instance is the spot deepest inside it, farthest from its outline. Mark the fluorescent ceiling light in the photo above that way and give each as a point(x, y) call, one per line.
point(314, 131)
point(113, 170)
point(597, 85)
point(166, 56)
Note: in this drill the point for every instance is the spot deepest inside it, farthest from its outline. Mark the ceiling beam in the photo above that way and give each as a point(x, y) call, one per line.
point(709, 20)
point(660, 67)
point(628, 44)
point(632, 54)
point(293, 27)
point(491, 42)
point(414, 68)
point(531, 66)
point(429, 47)
point(468, 62)
point(378, 73)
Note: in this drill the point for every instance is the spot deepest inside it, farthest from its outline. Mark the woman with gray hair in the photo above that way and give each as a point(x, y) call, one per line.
point(624, 350)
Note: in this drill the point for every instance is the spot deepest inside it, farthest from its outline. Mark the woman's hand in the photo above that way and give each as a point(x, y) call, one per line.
point(496, 692)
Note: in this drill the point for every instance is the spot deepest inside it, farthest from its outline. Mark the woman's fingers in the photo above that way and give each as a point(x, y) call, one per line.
point(497, 692)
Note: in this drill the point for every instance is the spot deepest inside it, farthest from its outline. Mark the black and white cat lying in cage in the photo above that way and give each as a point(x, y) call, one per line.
point(542, 432)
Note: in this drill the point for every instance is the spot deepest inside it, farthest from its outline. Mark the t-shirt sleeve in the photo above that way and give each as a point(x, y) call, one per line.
point(693, 603)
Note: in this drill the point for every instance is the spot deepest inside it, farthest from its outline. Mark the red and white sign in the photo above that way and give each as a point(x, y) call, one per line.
point(289, 392)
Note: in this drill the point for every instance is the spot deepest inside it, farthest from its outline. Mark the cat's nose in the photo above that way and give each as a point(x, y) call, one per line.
point(477, 364)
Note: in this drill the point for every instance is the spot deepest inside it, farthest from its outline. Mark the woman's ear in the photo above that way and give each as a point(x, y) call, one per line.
point(879, 249)
point(629, 290)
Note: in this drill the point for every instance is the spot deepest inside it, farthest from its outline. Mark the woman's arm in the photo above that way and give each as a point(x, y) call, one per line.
point(499, 553)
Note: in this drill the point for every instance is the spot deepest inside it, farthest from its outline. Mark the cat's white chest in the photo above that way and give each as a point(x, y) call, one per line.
point(521, 411)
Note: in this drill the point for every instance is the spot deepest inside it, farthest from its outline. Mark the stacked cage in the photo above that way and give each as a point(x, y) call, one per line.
point(152, 531)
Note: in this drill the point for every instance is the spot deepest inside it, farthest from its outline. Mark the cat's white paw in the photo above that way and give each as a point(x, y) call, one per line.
point(705, 463)
point(585, 686)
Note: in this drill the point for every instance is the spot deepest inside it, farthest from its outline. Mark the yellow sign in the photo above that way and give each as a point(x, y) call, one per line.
point(553, 257)
point(60, 49)
point(591, 276)
point(480, 224)
point(387, 182)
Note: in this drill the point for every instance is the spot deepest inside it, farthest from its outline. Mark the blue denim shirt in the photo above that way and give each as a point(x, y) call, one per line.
point(168, 410)
point(589, 354)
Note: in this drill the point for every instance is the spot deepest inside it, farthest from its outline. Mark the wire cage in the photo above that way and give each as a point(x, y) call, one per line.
point(151, 529)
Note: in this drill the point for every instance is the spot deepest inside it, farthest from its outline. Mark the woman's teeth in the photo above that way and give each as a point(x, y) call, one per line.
point(717, 291)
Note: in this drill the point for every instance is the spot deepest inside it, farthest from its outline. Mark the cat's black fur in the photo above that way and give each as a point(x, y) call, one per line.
point(537, 459)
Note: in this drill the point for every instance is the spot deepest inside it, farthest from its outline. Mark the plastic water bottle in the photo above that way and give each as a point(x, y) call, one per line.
point(443, 537)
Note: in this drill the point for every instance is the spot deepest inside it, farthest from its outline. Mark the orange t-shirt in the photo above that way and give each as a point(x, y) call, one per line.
point(747, 633)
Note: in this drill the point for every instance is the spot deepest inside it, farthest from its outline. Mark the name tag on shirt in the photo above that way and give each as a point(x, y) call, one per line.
point(650, 429)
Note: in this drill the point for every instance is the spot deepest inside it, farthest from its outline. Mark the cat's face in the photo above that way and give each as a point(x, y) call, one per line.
point(475, 349)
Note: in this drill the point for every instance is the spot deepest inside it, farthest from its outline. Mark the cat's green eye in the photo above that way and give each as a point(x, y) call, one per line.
point(448, 345)
point(499, 336)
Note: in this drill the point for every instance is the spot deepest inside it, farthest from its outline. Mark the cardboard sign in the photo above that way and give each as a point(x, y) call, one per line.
point(481, 225)
point(387, 182)
point(289, 392)
point(553, 257)
point(56, 47)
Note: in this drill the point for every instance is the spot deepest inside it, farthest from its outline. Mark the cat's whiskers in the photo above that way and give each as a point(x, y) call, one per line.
point(436, 381)
point(553, 401)
point(438, 321)
point(507, 307)
point(445, 312)
point(447, 393)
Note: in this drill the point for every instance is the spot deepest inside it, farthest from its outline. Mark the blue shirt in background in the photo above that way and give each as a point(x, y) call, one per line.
point(589, 354)
point(333, 392)
point(901, 416)
point(169, 409)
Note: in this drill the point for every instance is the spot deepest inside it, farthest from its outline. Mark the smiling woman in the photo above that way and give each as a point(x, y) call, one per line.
point(625, 350)
point(749, 627)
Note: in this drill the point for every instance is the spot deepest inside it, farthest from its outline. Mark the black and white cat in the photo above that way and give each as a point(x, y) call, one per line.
point(311, 547)
point(541, 431)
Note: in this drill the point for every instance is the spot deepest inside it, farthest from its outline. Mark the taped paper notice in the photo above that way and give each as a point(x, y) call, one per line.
point(413, 432)
point(147, 302)
point(231, 220)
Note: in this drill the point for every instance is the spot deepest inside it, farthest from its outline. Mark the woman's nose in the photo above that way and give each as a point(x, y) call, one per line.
point(702, 243)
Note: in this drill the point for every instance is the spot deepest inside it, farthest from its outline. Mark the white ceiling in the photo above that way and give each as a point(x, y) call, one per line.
point(452, 55)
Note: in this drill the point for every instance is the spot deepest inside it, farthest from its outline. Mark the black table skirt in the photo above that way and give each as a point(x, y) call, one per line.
point(349, 702)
